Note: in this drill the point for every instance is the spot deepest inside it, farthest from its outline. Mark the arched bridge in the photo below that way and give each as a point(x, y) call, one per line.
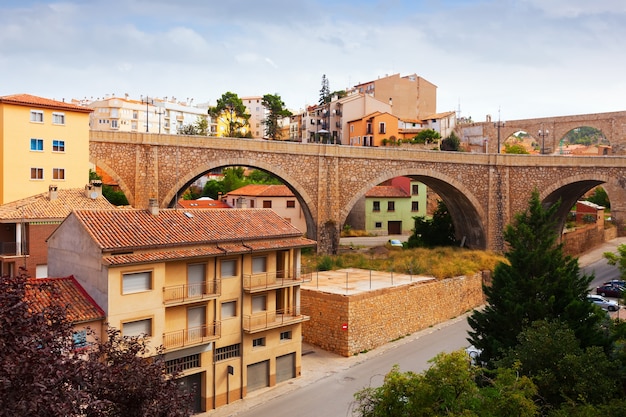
point(482, 191)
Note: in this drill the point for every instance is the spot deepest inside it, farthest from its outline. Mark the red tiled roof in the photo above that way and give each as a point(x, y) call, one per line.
point(195, 204)
point(66, 292)
point(387, 191)
point(136, 229)
point(34, 101)
point(40, 207)
point(263, 190)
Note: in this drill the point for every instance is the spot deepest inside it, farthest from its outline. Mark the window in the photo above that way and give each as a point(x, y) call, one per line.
point(258, 342)
point(229, 309)
point(259, 264)
point(285, 335)
point(58, 118)
point(36, 116)
point(36, 144)
point(415, 206)
point(137, 328)
point(36, 173)
point(114, 124)
point(79, 339)
point(291, 203)
point(58, 146)
point(58, 173)
point(259, 303)
point(136, 282)
point(351, 128)
point(376, 206)
point(227, 352)
point(368, 128)
point(378, 225)
point(267, 203)
point(251, 203)
point(382, 127)
point(229, 268)
point(391, 205)
point(415, 189)
point(182, 364)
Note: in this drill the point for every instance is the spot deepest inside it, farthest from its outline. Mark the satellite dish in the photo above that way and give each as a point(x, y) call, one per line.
point(93, 195)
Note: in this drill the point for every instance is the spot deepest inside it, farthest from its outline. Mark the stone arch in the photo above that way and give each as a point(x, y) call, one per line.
point(308, 205)
point(467, 213)
point(130, 196)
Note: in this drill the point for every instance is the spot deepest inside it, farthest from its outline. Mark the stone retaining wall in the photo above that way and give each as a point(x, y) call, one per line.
point(351, 324)
point(584, 239)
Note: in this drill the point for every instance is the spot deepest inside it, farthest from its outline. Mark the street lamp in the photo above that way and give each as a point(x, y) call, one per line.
point(542, 134)
point(498, 125)
point(159, 111)
point(148, 101)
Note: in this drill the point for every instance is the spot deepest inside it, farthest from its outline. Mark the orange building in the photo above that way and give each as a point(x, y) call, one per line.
point(373, 129)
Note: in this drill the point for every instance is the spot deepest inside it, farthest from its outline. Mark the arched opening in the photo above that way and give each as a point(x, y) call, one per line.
point(584, 141)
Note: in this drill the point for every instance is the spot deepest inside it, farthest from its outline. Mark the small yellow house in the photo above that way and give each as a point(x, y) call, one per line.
point(218, 289)
point(42, 142)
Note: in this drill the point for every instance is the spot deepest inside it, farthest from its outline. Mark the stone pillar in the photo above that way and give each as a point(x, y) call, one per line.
point(328, 186)
point(146, 175)
point(498, 203)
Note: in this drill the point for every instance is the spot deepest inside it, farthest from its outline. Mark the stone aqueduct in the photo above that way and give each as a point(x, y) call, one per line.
point(482, 191)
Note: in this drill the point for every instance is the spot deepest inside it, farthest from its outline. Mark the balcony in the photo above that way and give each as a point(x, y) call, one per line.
point(190, 293)
point(192, 336)
point(265, 320)
point(271, 280)
point(10, 249)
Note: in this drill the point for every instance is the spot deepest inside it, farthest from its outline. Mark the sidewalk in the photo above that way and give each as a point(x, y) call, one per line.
point(318, 363)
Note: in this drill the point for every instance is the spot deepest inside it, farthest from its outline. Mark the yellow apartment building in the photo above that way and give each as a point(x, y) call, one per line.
point(42, 142)
point(373, 128)
point(218, 289)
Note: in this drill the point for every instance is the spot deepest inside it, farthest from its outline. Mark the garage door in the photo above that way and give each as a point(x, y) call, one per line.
point(394, 227)
point(258, 375)
point(285, 367)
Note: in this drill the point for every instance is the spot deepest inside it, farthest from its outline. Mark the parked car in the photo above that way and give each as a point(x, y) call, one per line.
point(617, 282)
point(395, 242)
point(610, 291)
point(473, 353)
point(605, 304)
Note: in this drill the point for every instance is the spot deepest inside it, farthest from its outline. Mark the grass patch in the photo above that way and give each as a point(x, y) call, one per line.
point(444, 262)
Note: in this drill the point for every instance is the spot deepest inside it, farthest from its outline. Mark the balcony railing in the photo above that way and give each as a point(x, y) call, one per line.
point(269, 280)
point(10, 249)
point(272, 319)
point(185, 293)
point(191, 336)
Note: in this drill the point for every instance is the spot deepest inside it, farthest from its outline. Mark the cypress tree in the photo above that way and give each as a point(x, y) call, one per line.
point(538, 282)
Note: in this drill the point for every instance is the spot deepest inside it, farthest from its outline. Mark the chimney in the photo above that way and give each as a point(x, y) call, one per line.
point(53, 193)
point(153, 207)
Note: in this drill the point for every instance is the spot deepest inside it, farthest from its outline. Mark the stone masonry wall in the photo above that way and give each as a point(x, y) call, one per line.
point(348, 325)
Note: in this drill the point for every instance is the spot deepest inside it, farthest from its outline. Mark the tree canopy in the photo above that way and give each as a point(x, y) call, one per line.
point(451, 143)
point(41, 373)
point(199, 128)
point(276, 111)
point(233, 113)
point(538, 282)
point(435, 231)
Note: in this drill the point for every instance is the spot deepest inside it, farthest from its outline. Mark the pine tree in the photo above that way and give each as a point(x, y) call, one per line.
point(539, 282)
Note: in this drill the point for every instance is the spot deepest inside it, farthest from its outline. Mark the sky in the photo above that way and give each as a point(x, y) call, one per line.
point(511, 59)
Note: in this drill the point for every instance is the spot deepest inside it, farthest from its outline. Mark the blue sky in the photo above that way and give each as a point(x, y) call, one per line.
point(519, 58)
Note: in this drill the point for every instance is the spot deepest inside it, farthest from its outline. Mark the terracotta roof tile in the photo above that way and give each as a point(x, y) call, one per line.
point(34, 101)
point(263, 190)
point(67, 292)
point(130, 229)
point(387, 191)
point(195, 204)
point(40, 207)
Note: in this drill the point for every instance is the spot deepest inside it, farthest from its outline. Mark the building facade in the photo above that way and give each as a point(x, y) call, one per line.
point(42, 142)
point(390, 208)
point(276, 197)
point(219, 289)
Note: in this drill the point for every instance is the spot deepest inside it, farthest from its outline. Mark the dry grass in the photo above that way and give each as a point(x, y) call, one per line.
point(439, 262)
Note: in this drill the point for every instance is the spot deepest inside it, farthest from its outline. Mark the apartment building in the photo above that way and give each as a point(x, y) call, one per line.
point(374, 129)
point(257, 112)
point(42, 142)
point(411, 96)
point(148, 115)
point(219, 289)
point(276, 197)
point(26, 224)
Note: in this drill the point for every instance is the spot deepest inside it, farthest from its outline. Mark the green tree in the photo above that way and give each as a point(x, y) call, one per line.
point(515, 148)
point(451, 143)
point(231, 110)
point(538, 282)
point(258, 176)
point(436, 231)
point(276, 111)
point(427, 136)
point(213, 189)
point(450, 387)
point(324, 91)
point(113, 196)
point(618, 259)
point(600, 197)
